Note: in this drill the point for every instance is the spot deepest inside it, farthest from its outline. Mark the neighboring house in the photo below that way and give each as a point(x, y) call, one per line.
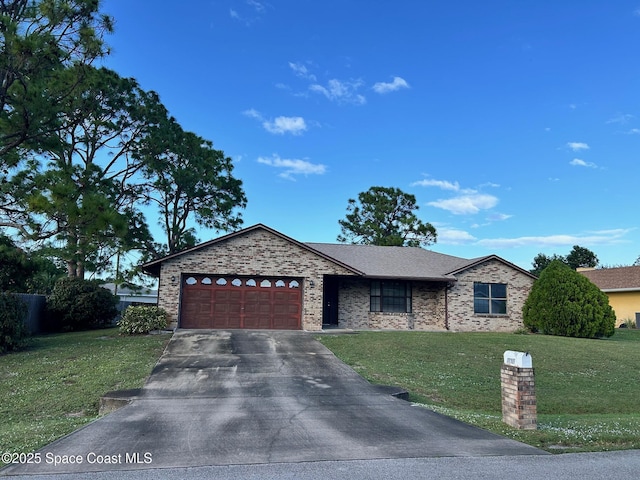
point(622, 286)
point(260, 278)
point(133, 295)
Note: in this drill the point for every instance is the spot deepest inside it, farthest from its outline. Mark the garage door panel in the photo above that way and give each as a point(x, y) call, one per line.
point(226, 321)
point(236, 302)
point(257, 322)
point(285, 323)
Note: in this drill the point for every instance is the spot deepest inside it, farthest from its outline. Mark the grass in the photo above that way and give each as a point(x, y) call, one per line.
point(54, 386)
point(588, 391)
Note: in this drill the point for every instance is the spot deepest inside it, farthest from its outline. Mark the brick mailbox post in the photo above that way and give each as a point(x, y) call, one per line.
point(518, 391)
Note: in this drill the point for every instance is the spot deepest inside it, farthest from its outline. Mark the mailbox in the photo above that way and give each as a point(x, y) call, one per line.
point(518, 359)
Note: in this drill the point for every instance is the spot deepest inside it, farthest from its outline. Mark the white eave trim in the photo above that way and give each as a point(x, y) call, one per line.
point(614, 290)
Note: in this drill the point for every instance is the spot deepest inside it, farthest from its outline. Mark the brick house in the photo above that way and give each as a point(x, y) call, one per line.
point(259, 278)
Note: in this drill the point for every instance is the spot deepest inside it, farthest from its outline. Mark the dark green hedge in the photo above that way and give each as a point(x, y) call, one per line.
point(564, 302)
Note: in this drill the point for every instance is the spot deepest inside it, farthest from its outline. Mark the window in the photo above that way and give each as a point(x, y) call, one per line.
point(490, 298)
point(390, 296)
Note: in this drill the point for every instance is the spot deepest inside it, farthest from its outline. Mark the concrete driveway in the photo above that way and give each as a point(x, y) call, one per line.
point(251, 397)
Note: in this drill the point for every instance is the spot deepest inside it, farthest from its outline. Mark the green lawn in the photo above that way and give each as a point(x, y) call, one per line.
point(588, 391)
point(54, 386)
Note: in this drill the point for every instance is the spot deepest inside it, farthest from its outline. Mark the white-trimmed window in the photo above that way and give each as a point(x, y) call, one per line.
point(490, 298)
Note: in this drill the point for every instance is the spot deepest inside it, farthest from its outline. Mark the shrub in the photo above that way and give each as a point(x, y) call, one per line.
point(628, 323)
point(564, 302)
point(139, 319)
point(78, 304)
point(13, 330)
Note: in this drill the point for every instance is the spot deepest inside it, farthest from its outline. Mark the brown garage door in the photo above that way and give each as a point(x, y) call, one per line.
point(215, 301)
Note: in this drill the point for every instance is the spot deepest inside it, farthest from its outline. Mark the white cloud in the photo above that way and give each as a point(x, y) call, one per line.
point(454, 236)
point(282, 125)
point(259, 7)
point(249, 12)
point(396, 84)
point(499, 217)
point(302, 71)
point(468, 201)
point(293, 167)
point(253, 113)
point(576, 162)
point(443, 184)
point(603, 237)
point(577, 146)
point(633, 131)
point(621, 118)
point(466, 204)
point(341, 91)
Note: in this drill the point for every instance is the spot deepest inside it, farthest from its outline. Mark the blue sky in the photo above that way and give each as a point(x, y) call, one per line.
point(516, 124)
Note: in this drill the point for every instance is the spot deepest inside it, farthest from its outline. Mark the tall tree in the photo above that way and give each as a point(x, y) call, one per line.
point(385, 216)
point(542, 261)
point(40, 40)
point(25, 272)
point(580, 257)
point(80, 192)
point(189, 180)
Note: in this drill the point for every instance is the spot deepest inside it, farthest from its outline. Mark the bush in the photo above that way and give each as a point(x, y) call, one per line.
point(138, 319)
point(78, 304)
point(13, 330)
point(628, 323)
point(566, 303)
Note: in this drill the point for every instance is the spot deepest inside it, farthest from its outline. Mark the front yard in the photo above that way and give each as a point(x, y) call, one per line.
point(54, 386)
point(588, 391)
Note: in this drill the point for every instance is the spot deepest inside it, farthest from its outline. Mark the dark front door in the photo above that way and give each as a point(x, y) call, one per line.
point(330, 298)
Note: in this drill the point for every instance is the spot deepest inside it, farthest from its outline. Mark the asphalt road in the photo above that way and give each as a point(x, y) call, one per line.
point(623, 465)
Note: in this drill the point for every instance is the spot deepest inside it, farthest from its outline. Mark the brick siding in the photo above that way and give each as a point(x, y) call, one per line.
point(259, 253)
point(428, 310)
point(461, 316)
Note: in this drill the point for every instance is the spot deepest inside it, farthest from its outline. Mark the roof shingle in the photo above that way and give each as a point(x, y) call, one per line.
point(394, 262)
point(614, 278)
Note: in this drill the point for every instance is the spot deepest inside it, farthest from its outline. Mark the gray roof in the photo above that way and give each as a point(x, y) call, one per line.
point(368, 260)
point(395, 262)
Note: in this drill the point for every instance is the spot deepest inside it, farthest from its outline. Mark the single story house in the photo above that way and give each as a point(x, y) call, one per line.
point(133, 295)
point(622, 286)
point(260, 278)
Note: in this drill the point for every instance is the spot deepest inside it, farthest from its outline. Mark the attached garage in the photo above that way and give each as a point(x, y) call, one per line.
point(258, 278)
point(218, 301)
